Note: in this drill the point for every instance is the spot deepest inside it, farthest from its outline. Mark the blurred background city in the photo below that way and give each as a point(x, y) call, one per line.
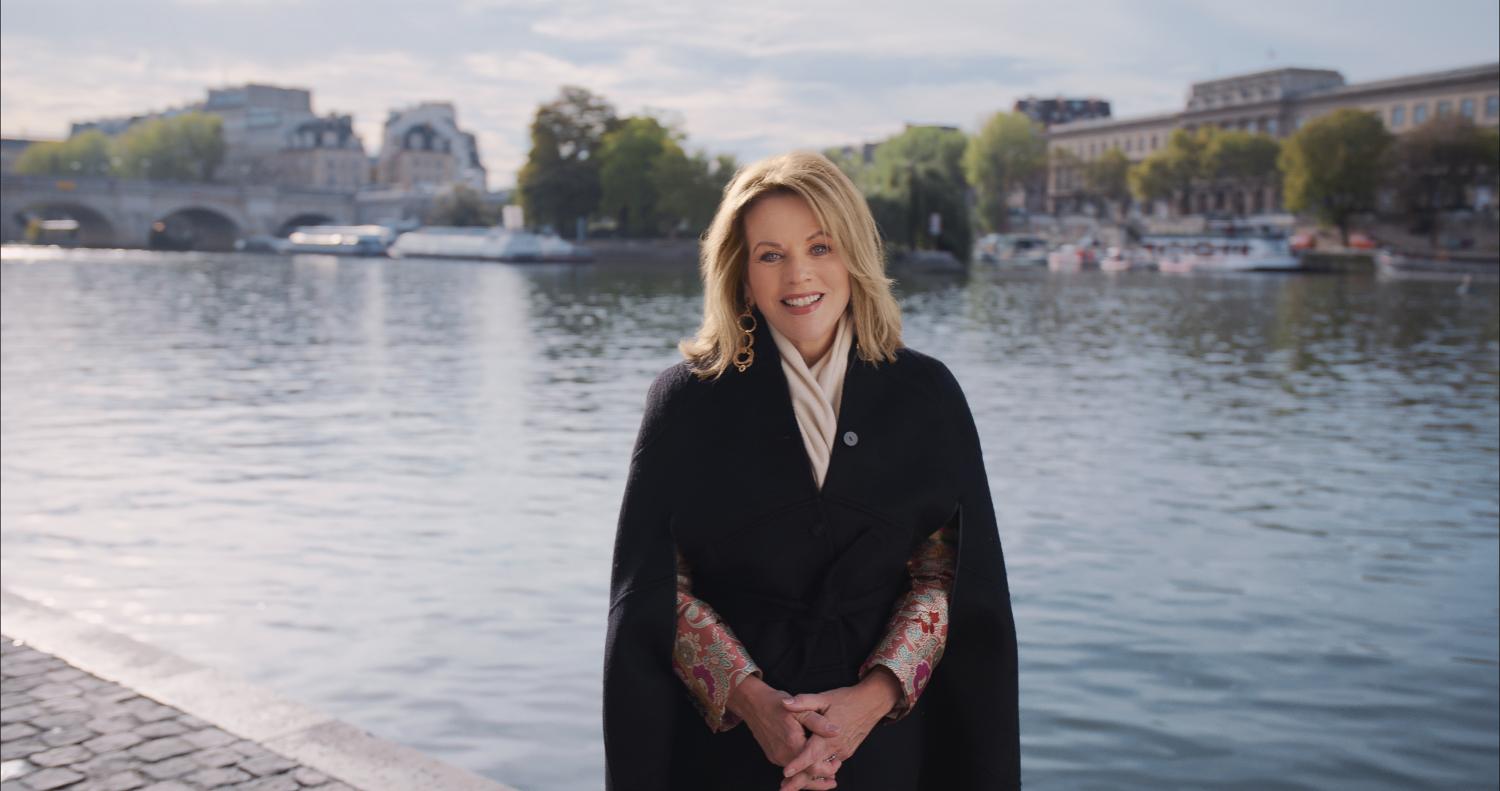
point(327, 329)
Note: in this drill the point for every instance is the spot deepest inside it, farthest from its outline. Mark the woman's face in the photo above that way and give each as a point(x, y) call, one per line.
point(793, 261)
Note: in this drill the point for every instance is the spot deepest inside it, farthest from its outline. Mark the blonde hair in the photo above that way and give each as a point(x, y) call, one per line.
point(842, 213)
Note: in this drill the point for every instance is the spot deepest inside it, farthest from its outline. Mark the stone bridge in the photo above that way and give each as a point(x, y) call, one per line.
point(128, 213)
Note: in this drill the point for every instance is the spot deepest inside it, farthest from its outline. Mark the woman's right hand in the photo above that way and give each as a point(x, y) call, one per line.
point(780, 733)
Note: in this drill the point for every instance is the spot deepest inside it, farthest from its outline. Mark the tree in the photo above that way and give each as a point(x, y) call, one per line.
point(627, 158)
point(1171, 172)
point(560, 181)
point(187, 147)
point(1152, 179)
point(1008, 151)
point(1108, 178)
point(688, 188)
point(1241, 156)
point(461, 206)
point(86, 154)
point(1433, 166)
point(1332, 166)
point(1241, 159)
point(916, 174)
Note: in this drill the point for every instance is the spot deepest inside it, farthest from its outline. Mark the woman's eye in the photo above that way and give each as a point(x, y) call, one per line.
point(820, 249)
point(770, 257)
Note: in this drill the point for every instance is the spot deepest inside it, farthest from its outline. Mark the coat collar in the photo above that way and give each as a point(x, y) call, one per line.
point(770, 398)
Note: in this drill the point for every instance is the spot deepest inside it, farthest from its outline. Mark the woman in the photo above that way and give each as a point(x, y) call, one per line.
point(808, 587)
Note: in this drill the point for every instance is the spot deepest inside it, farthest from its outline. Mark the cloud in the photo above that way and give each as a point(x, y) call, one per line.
point(748, 80)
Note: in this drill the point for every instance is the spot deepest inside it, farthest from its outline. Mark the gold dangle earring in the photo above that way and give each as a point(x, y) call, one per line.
point(745, 354)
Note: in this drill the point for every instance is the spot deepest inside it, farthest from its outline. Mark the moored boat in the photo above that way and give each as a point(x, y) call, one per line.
point(340, 240)
point(1071, 258)
point(1441, 264)
point(1011, 250)
point(1221, 253)
point(1125, 259)
point(488, 244)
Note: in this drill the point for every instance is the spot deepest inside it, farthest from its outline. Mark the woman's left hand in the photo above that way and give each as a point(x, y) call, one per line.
point(855, 710)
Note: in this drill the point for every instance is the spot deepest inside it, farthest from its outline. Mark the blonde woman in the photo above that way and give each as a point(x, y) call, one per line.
point(808, 586)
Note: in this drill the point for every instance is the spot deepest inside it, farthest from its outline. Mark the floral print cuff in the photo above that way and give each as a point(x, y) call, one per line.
point(707, 656)
point(918, 629)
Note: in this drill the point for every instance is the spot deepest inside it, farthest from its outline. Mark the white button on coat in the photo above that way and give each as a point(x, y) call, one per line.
point(850, 438)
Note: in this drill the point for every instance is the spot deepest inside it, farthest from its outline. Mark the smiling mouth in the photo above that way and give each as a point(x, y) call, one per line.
point(802, 302)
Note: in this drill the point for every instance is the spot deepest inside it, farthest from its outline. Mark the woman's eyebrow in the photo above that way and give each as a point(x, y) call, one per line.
point(815, 234)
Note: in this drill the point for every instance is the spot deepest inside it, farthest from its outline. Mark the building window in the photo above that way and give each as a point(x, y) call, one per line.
point(1444, 108)
point(1153, 138)
point(1466, 108)
point(1492, 106)
point(1271, 124)
point(1419, 113)
point(1398, 116)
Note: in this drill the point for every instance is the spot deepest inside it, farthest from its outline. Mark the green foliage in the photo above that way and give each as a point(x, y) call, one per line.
point(628, 158)
point(560, 181)
point(462, 206)
point(1433, 166)
point(1241, 156)
point(187, 147)
point(1332, 166)
point(688, 188)
point(1152, 179)
point(1175, 168)
point(87, 154)
point(1107, 178)
point(916, 174)
point(1008, 151)
point(1204, 156)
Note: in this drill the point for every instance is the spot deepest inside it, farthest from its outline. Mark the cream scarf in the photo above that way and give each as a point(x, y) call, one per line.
point(816, 391)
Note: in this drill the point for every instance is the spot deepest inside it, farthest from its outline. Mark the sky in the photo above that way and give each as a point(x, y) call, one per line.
point(748, 79)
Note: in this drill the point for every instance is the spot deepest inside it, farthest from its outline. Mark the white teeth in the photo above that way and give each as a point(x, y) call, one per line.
point(802, 302)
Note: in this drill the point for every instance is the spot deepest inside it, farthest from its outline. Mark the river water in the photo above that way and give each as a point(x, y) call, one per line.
point(1250, 520)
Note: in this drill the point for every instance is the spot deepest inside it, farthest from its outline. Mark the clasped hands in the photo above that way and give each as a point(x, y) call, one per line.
point(811, 735)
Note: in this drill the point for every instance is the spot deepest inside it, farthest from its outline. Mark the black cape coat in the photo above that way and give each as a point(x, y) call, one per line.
point(807, 578)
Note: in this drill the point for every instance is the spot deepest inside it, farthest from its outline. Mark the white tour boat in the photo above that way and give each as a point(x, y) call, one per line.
point(488, 244)
point(1221, 253)
point(340, 240)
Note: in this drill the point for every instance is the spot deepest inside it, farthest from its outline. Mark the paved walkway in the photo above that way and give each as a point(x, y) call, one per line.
point(61, 728)
point(86, 708)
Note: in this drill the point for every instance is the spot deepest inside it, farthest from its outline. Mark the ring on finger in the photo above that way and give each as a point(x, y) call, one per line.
point(832, 757)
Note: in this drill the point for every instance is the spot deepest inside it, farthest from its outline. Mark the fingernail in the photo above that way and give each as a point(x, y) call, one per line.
point(833, 728)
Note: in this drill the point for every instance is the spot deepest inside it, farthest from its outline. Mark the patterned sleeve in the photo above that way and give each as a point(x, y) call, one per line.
point(707, 657)
point(918, 629)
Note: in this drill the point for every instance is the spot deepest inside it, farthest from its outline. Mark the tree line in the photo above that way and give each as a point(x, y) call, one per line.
point(187, 147)
point(1333, 168)
point(629, 176)
point(587, 162)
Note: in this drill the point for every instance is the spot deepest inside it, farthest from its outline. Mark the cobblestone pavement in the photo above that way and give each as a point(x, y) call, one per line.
point(61, 728)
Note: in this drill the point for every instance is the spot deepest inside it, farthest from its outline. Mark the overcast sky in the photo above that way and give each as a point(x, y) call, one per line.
point(744, 78)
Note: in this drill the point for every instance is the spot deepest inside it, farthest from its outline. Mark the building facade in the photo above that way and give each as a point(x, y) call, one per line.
point(258, 119)
point(1275, 103)
point(324, 153)
point(424, 148)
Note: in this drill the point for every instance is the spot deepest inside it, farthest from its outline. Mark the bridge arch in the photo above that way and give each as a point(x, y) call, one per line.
point(94, 228)
point(300, 219)
point(196, 228)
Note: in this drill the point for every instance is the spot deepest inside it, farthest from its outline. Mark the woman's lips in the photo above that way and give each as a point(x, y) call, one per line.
point(804, 309)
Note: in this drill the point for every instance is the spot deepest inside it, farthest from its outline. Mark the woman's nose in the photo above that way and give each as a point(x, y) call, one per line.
point(798, 269)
